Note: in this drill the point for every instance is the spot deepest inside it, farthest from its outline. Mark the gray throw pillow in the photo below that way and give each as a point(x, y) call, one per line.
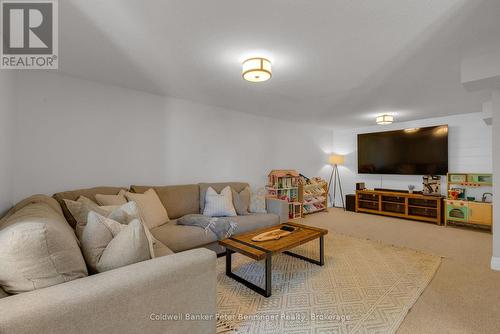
point(241, 201)
point(258, 201)
point(108, 244)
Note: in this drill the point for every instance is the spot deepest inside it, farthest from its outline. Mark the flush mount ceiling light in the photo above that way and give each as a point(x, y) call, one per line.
point(256, 69)
point(384, 119)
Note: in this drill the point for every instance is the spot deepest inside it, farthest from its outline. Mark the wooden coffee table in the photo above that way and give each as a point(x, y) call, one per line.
point(264, 250)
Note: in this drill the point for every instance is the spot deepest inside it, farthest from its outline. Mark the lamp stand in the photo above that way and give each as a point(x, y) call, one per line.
point(336, 176)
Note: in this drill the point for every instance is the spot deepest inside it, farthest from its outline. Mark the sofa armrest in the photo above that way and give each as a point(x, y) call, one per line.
point(278, 207)
point(138, 298)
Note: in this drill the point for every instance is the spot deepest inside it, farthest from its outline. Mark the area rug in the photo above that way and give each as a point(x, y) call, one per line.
point(364, 287)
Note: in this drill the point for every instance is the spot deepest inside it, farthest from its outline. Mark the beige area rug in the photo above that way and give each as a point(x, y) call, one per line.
point(364, 287)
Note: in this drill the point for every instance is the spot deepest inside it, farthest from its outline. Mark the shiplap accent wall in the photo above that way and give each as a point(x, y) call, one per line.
point(469, 146)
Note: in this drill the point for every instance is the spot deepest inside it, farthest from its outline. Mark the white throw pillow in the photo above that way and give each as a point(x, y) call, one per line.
point(152, 210)
point(107, 244)
point(258, 201)
point(219, 205)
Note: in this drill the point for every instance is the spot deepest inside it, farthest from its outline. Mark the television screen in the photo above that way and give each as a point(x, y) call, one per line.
point(416, 151)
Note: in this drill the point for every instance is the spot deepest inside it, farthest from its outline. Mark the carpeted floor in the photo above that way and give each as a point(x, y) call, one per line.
point(364, 287)
point(464, 295)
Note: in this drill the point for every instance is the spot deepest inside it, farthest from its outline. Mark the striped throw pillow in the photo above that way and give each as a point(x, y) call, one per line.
point(219, 205)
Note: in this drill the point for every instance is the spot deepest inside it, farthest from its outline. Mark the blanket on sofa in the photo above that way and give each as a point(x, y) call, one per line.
point(222, 227)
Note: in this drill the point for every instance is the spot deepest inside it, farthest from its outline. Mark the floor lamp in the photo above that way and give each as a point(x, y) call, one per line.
point(335, 160)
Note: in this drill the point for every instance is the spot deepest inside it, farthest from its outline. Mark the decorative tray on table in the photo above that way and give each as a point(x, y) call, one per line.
point(275, 234)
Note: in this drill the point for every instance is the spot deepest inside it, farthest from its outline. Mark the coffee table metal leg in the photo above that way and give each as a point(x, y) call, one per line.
point(321, 261)
point(228, 261)
point(266, 292)
point(269, 275)
point(321, 251)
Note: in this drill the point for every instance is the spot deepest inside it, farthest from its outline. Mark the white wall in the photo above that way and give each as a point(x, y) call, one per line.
point(469, 145)
point(7, 111)
point(75, 133)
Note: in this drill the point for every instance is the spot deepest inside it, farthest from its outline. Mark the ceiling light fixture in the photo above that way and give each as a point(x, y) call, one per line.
point(384, 119)
point(256, 69)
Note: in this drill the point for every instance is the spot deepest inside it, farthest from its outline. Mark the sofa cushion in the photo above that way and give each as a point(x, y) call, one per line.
point(106, 200)
point(255, 221)
point(160, 249)
point(108, 244)
point(238, 186)
point(241, 201)
point(38, 249)
point(178, 200)
point(75, 194)
point(219, 204)
point(180, 238)
point(152, 210)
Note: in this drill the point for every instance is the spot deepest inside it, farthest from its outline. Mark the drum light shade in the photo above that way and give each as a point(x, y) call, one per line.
point(336, 159)
point(384, 119)
point(256, 69)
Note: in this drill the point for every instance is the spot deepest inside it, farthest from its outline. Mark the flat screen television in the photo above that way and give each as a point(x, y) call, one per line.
point(417, 151)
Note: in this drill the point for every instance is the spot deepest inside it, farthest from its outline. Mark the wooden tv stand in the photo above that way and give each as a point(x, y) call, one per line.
point(400, 204)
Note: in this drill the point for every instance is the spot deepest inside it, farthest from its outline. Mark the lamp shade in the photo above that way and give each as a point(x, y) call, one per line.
point(256, 69)
point(336, 159)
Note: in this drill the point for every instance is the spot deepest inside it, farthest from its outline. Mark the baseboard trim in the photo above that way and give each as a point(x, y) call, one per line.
point(495, 263)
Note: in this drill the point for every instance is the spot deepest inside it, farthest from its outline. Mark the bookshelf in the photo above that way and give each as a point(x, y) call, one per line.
point(284, 184)
point(313, 196)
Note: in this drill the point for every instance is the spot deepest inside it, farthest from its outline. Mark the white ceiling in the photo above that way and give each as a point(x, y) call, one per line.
point(335, 62)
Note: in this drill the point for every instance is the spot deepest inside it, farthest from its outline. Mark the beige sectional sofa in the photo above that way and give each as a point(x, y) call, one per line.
point(188, 199)
point(138, 297)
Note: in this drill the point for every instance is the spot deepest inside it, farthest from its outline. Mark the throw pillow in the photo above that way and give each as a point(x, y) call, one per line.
point(219, 205)
point(118, 199)
point(80, 209)
point(258, 201)
point(152, 211)
point(107, 244)
point(241, 201)
point(38, 249)
point(129, 212)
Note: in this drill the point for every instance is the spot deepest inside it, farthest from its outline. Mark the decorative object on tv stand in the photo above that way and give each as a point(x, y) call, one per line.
point(411, 187)
point(384, 119)
point(313, 193)
point(431, 185)
point(360, 186)
point(335, 160)
point(256, 69)
point(284, 184)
